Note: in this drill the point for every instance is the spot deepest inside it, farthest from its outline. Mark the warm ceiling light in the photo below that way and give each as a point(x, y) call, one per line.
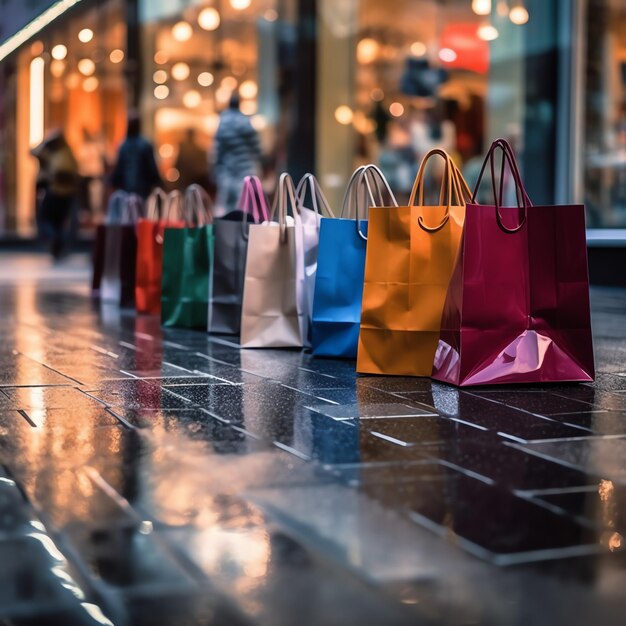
point(240, 5)
point(161, 57)
point(36, 48)
point(481, 7)
point(86, 67)
point(59, 52)
point(367, 50)
point(85, 35)
point(344, 114)
point(161, 92)
point(248, 107)
point(116, 56)
point(518, 15)
point(229, 82)
point(209, 18)
point(259, 122)
point(180, 71)
point(447, 55)
point(166, 151)
point(192, 99)
point(487, 32)
point(57, 68)
point(90, 84)
point(418, 49)
point(72, 81)
point(172, 175)
point(182, 31)
point(159, 77)
point(205, 79)
point(396, 109)
point(248, 89)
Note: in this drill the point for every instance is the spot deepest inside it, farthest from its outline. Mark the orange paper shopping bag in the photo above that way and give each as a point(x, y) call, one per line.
point(410, 255)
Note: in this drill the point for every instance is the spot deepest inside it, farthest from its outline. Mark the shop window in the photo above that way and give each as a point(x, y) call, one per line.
point(605, 114)
point(196, 54)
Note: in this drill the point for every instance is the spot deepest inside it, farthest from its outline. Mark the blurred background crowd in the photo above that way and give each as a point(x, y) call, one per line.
point(217, 89)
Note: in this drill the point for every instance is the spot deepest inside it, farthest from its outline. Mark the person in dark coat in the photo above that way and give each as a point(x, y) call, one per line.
point(136, 170)
point(57, 188)
point(237, 154)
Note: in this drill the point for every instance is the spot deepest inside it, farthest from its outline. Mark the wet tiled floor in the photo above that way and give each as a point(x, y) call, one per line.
point(164, 477)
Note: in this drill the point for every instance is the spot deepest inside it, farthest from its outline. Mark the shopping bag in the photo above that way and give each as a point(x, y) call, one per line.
point(162, 212)
point(274, 301)
point(517, 309)
point(341, 265)
point(410, 255)
point(307, 238)
point(187, 262)
point(120, 250)
point(231, 247)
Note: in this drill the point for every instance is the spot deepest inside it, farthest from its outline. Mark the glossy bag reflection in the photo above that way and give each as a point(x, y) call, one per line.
point(161, 212)
point(341, 266)
point(187, 262)
point(274, 308)
point(231, 247)
point(517, 309)
point(411, 251)
point(120, 250)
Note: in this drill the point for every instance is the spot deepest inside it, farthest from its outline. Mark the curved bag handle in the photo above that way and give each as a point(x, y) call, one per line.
point(133, 209)
point(155, 204)
point(454, 188)
point(115, 207)
point(367, 179)
point(508, 157)
point(252, 194)
point(174, 203)
point(198, 208)
point(317, 195)
point(285, 193)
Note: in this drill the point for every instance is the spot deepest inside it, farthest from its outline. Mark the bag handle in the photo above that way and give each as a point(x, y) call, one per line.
point(123, 208)
point(308, 181)
point(365, 178)
point(522, 199)
point(252, 194)
point(453, 188)
point(174, 201)
point(133, 209)
point(155, 204)
point(198, 205)
point(285, 194)
point(115, 207)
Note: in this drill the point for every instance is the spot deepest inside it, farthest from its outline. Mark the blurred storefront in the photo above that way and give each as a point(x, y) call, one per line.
point(329, 84)
point(68, 77)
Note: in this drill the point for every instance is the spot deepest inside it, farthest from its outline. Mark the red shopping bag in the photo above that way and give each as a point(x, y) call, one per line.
point(517, 307)
point(159, 216)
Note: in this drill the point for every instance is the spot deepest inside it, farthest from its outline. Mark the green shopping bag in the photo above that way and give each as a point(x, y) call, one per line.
point(187, 265)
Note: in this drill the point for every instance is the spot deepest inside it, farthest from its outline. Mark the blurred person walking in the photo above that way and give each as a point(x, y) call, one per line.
point(136, 170)
point(237, 154)
point(57, 189)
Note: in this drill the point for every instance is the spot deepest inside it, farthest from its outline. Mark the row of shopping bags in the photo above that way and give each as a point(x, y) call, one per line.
point(466, 293)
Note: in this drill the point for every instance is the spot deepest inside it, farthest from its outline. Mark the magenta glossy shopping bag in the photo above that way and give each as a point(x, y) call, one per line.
point(517, 308)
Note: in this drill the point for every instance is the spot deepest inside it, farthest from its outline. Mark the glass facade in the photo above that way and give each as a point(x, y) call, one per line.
point(328, 84)
point(604, 158)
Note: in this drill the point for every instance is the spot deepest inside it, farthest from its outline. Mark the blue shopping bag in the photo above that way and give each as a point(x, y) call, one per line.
point(341, 265)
